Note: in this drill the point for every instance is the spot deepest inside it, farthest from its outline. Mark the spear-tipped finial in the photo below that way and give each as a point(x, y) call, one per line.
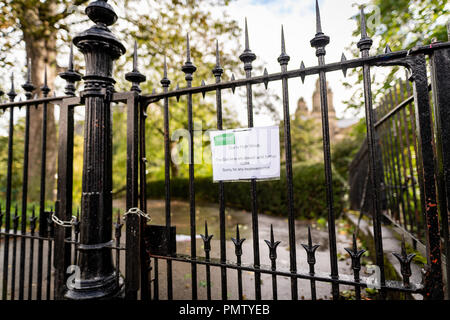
point(309, 236)
point(45, 89)
point(365, 43)
point(387, 49)
point(135, 57)
point(283, 59)
point(405, 260)
point(165, 81)
point(247, 57)
point(238, 242)
point(12, 93)
point(188, 68)
point(71, 58)
point(28, 86)
point(218, 70)
point(363, 23)
point(247, 42)
point(310, 251)
point(318, 22)
point(217, 54)
point(135, 77)
point(320, 40)
point(70, 75)
point(188, 49)
point(344, 59)
point(165, 66)
point(272, 244)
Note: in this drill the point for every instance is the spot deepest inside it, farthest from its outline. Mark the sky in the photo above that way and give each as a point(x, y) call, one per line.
point(265, 18)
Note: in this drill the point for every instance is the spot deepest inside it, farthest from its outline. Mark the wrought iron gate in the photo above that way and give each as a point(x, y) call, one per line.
point(86, 242)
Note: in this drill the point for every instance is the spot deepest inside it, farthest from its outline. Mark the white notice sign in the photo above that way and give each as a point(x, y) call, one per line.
point(244, 154)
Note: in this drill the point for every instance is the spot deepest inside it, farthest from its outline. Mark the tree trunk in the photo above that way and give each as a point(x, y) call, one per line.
point(42, 52)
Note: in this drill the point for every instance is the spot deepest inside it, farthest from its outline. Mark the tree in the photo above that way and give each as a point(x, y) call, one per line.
point(401, 24)
point(37, 25)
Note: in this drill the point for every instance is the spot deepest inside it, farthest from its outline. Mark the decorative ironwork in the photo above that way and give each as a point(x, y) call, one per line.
point(398, 130)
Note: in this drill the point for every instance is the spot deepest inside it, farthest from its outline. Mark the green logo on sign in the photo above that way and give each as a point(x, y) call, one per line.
point(224, 139)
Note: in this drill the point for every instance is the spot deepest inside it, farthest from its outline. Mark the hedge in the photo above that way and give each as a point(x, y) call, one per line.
point(309, 192)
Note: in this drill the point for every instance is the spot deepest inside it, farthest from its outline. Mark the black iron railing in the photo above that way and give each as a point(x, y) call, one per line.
point(87, 241)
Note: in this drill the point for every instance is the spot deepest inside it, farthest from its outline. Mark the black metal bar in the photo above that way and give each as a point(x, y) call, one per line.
point(218, 71)
point(12, 94)
point(412, 117)
point(426, 144)
point(49, 255)
point(156, 281)
point(393, 171)
point(145, 258)
point(63, 205)
point(118, 235)
point(31, 256)
point(247, 57)
point(15, 220)
point(133, 238)
point(165, 83)
point(42, 212)
point(29, 88)
point(404, 124)
point(135, 77)
point(440, 69)
point(319, 42)
point(398, 152)
point(410, 167)
point(283, 59)
point(388, 173)
point(189, 68)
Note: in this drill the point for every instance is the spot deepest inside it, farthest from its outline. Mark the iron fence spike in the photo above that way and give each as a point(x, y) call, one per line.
point(387, 49)
point(247, 42)
point(266, 82)
point(363, 23)
point(203, 92)
point(135, 57)
point(12, 93)
point(283, 44)
point(165, 66)
point(233, 88)
point(318, 21)
point(45, 89)
point(188, 49)
point(70, 68)
point(217, 54)
point(344, 69)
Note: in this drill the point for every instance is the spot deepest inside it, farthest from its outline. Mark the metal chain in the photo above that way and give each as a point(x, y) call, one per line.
point(65, 224)
point(138, 212)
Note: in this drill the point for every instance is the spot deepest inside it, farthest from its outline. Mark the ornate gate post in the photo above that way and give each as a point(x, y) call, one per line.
point(100, 48)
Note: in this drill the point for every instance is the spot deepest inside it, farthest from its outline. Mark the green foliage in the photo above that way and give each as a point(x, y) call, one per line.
point(309, 192)
point(403, 24)
point(345, 150)
point(17, 161)
point(306, 140)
